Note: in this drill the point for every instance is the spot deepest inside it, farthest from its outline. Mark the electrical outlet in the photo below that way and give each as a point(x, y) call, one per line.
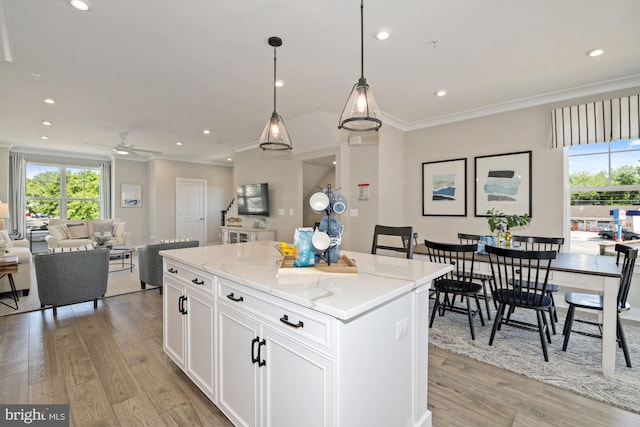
point(402, 328)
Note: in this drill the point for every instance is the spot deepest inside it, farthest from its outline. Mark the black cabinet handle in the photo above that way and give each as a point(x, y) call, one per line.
point(172, 270)
point(260, 344)
point(234, 298)
point(255, 341)
point(181, 301)
point(285, 319)
point(197, 282)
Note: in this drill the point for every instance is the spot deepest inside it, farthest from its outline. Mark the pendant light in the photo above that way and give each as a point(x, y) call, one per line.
point(275, 135)
point(360, 113)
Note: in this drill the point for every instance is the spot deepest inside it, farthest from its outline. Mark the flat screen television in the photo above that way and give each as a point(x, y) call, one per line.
point(253, 199)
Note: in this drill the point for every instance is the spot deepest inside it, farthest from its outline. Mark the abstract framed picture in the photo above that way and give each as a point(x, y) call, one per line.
point(444, 188)
point(503, 182)
point(131, 195)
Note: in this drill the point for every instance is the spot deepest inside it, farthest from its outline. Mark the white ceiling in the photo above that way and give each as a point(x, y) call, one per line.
point(165, 70)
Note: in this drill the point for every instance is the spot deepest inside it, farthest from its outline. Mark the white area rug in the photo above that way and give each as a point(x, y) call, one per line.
point(121, 282)
point(519, 350)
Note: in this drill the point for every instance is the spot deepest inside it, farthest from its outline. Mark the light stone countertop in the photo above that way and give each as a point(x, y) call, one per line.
point(344, 296)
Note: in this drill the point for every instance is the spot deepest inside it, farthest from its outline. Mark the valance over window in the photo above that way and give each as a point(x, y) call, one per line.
point(600, 121)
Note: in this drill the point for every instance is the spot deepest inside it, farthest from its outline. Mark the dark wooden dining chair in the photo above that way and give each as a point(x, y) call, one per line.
point(521, 279)
point(595, 302)
point(402, 236)
point(537, 243)
point(483, 279)
point(458, 282)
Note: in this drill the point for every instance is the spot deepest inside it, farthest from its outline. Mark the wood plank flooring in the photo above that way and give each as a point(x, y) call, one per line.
point(108, 364)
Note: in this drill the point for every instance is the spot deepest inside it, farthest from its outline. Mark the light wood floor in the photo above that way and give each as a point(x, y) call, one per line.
point(110, 367)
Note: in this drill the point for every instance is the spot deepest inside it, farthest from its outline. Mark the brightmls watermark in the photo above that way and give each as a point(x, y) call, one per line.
point(37, 415)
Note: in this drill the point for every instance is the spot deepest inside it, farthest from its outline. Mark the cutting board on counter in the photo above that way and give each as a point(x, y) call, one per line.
point(345, 265)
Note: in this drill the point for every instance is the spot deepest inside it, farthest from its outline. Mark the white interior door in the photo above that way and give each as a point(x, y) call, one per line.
point(191, 202)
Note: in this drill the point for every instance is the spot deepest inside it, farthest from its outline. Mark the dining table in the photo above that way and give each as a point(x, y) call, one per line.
point(577, 271)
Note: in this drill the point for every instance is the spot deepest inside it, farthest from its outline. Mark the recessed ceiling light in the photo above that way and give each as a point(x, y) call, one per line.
point(595, 52)
point(441, 92)
point(49, 101)
point(36, 76)
point(206, 131)
point(82, 5)
point(44, 137)
point(229, 159)
point(279, 83)
point(383, 34)
point(179, 143)
point(47, 123)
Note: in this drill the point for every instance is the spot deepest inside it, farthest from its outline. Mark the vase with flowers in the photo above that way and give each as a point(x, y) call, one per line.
point(502, 225)
point(102, 239)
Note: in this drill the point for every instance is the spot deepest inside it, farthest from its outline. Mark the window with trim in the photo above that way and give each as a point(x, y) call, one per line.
point(603, 177)
point(61, 191)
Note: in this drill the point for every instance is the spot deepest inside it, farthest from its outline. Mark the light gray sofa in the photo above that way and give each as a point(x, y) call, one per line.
point(150, 261)
point(71, 277)
point(60, 234)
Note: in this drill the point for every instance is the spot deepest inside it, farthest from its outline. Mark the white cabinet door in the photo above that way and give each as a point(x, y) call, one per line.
point(225, 236)
point(253, 237)
point(297, 384)
point(199, 331)
point(174, 321)
point(238, 347)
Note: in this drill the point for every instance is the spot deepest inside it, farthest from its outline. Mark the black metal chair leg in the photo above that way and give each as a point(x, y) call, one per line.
point(623, 341)
point(436, 305)
point(497, 322)
point(470, 316)
point(568, 323)
point(542, 327)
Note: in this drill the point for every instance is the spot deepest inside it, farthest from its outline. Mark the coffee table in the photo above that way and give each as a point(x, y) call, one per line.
point(123, 256)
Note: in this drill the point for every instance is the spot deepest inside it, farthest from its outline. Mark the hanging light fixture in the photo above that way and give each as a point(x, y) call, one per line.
point(275, 135)
point(360, 113)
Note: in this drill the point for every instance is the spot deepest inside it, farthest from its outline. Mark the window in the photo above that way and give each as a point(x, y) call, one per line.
point(60, 191)
point(603, 177)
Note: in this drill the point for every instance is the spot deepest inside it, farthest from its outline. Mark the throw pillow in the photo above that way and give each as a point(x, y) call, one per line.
point(118, 228)
point(102, 227)
point(78, 231)
point(87, 247)
point(188, 239)
point(5, 239)
point(60, 232)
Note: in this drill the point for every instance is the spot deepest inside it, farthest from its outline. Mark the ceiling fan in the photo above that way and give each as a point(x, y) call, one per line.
point(123, 148)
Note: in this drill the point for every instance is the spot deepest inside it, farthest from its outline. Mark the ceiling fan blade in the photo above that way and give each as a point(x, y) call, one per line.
point(142, 150)
point(99, 145)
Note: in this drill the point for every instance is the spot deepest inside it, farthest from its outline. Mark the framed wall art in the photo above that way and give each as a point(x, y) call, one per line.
point(444, 188)
point(130, 195)
point(503, 182)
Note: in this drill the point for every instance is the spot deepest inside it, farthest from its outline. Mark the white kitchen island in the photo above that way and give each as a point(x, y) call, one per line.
point(282, 350)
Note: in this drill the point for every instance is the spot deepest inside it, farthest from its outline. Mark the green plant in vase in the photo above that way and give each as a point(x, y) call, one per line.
point(502, 223)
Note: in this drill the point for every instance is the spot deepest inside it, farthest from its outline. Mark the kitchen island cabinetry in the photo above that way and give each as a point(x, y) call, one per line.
point(314, 350)
point(189, 319)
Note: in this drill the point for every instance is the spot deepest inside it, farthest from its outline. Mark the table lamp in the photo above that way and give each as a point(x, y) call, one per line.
point(4, 214)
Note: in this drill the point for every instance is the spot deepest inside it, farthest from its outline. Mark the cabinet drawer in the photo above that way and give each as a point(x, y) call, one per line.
point(189, 275)
point(307, 326)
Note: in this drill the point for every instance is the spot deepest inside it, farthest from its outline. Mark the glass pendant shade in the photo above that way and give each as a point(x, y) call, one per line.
point(275, 135)
point(361, 112)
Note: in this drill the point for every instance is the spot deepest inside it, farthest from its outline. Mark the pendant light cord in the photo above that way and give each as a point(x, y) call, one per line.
point(274, 79)
point(362, 39)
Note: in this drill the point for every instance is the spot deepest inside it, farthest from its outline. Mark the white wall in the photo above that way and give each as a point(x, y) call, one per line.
point(514, 131)
point(131, 172)
point(162, 181)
